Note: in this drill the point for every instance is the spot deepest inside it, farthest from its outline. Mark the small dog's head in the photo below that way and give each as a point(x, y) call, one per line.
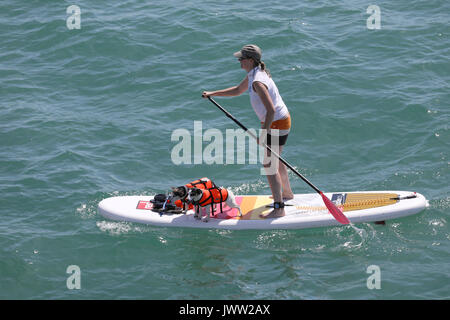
point(195, 194)
point(179, 192)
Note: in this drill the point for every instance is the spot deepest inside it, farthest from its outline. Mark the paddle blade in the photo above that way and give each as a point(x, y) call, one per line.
point(335, 211)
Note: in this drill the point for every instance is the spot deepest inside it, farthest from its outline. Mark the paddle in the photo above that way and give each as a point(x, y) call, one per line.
point(337, 214)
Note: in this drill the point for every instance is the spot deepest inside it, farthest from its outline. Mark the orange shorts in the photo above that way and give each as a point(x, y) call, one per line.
point(282, 124)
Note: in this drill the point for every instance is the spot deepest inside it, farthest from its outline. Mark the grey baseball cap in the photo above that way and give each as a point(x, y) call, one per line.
point(249, 51)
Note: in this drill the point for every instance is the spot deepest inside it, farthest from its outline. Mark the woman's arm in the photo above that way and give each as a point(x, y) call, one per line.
point(229, 92)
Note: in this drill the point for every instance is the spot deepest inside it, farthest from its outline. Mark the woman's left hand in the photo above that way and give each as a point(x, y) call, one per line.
point(206, 94)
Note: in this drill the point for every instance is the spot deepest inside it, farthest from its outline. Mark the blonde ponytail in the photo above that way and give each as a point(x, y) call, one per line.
point(261, 64)
point(263, 67)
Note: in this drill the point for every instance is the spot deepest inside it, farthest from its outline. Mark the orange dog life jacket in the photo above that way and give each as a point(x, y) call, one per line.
point(203, 183)
point(212, 195)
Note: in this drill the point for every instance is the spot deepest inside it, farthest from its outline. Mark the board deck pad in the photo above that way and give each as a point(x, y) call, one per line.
point(253, 206)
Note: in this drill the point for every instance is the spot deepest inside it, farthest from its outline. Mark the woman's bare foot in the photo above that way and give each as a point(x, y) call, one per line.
point(289, 196)
point(275, 213)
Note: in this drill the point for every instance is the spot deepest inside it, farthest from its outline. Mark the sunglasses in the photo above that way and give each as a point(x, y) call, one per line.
point(243, 58)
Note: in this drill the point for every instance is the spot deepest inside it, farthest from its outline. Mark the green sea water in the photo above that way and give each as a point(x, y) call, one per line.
point(89, 113)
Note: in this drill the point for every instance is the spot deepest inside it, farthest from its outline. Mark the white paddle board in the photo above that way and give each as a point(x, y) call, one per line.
point(304, 211)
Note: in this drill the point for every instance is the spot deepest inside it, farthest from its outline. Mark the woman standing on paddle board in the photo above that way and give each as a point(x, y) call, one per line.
point(273, 114)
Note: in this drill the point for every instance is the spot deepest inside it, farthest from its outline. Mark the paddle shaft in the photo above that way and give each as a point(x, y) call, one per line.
point(265, 145)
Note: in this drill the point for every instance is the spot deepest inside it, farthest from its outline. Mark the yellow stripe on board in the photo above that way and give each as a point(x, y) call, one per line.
point(359, 201)
point(259, 207)
point(253, 206)
point(247, 204)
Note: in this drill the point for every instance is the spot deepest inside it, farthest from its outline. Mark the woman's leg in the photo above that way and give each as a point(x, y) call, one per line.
point(287, 193)
point(286, 186)
point(272, 164)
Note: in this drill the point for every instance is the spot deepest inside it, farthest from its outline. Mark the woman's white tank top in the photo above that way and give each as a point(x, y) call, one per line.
point(281, 111)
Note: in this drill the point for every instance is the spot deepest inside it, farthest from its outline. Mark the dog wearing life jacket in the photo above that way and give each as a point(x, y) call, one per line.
point(179, 195)
point(208, 197)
